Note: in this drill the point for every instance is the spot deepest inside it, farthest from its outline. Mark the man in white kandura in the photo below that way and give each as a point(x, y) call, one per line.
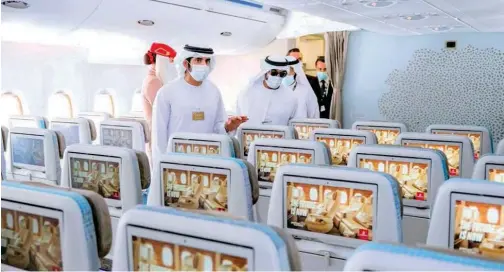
point(297, 81)
point(190, 103)
point(266, 100)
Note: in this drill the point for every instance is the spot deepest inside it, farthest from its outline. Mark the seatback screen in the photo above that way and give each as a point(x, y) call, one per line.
point(384, 135)
point(99, 174)
point(120, 137)
point(151, 250)
point(197, 147)
point(31, 237)
point(304, 130)
point(340, 146)
point(28, 151)
point(452, 150)
point(268, 159)
point(494, 172)
point(249, 136)
point(193, 187)
point(475, 137)
point(70, 132)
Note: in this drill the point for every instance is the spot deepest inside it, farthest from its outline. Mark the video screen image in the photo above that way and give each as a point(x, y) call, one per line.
point(496, 174)
point(70, 132)
point(412, 176)
point(195, 190)
point(383, 135)
point(452, 152)
point(268, 161)
point(340, 148)
point(474, 136)
point(28, 151)
point(249, 137)
point(479, 228)
point(101, 177)
point(30, 241)
point(117, 137)
point(193, 148)
point(304, 130)
point(330, 210)
point(152, 255)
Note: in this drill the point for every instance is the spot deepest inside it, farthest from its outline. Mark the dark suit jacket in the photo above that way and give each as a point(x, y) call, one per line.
point(323, 101)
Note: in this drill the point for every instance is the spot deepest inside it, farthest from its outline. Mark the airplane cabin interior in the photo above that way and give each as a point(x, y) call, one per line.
point(252, 135)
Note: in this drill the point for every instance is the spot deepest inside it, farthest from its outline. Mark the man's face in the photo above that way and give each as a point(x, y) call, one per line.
point(198, 61)
point(291, 71)
point(297, 55)
point(321, 67)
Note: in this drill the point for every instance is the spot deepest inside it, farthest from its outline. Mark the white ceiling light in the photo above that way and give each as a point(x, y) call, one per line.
point(226, 34)
point(146, 22)
point(16, 4)
point(378, 3)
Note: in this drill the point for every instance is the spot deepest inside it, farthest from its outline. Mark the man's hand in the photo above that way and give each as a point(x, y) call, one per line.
point(234, 122)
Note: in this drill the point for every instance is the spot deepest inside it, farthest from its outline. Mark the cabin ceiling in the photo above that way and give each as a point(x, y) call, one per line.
point(406, 17)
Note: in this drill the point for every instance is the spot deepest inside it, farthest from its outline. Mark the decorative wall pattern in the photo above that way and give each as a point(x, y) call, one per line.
point(464, 86)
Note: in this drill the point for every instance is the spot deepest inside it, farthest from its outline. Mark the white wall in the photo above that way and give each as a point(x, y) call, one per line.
point(36, 71)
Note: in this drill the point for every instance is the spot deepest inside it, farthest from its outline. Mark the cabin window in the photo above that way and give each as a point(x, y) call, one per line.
point(344, 197)
point(137, 102)
point(60, 105)
point(35, 226)
point(167, 257)
point(104, 102)
point(10, 104)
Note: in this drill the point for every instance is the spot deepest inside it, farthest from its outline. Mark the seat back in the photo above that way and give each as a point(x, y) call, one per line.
point(96, 118)
point(358, 206)
point(75, 130)
point(490, 167)
point(386, 132)
point(247, 133)
point(232, 244)
point(394, 257)
point(267, 154)
point(480, 136)
point(201, 143)
point(500, 148)
point(418, 171)
point(35, 154)
point(48, 229)
point(3, 147)
point(27, 121)
point(341, 141)
point(466, 216)
point(215, 183)
point(305, 126)
point(122, 132)
point(458, 150)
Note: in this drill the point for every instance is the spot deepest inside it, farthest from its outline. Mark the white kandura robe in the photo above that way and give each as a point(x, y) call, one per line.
point(270, 107)
point(307, 97)
point(174, 107)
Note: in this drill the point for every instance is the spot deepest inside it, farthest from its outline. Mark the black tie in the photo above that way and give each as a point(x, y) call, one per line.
point(323, 89)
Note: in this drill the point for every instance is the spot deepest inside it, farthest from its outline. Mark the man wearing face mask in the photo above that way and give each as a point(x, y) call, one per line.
point(322, 87)
point(266, 100)
point(296, 80)
point(190, 103)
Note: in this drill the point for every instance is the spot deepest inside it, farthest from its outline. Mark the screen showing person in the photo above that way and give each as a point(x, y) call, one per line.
point(479, 228)
point(268, 159)
point(304, 130)
point(31, 238)
point(330, 210)
point(251, 135)
point(99, 174)
point(384, 135)
point(475, 137)
point(450, 149)
point(340, 146)
point(152, 250)
point(197, 147)
point(120, 137)
point(495, 172)
point(195, 187)
point(25, 123)
point(28, 151)
point(69, 131)
point(412, 174)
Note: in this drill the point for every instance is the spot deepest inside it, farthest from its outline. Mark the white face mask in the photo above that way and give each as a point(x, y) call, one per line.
point(274, 82)
point(199, 72)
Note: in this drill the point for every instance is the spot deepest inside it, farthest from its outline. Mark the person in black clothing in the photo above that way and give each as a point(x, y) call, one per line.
point(296, 53)
point(322, 87)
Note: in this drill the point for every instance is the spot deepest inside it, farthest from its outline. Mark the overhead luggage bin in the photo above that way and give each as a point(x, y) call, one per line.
point(330, 211)
point(342, 141)
point(394, 257)
point(305, 126)
point(386, 132)
point(198, 241)
point(490, 167)
point(247, 133)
